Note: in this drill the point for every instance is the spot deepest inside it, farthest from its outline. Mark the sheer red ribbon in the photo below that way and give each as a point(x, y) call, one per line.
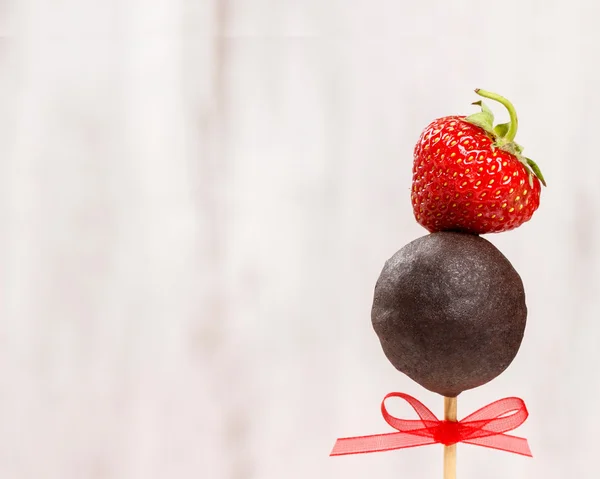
point(485, 427)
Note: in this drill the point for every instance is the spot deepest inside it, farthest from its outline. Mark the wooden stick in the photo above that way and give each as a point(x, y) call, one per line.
point(450, 451)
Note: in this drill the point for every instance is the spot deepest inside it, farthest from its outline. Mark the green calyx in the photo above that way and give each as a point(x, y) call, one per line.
point(504, 133)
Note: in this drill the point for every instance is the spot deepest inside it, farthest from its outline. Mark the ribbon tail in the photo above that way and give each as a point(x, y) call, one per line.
point(378, 443)
point(503, 442)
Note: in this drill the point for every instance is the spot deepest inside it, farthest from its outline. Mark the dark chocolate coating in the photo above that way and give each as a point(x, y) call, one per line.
point(449, 310)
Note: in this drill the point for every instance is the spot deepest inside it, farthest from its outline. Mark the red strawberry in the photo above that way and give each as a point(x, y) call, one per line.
point(471, 176)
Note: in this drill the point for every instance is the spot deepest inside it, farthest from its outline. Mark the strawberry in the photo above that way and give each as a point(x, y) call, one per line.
point(472, 177)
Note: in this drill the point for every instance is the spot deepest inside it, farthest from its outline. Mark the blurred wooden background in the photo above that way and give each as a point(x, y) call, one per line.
point(196, 198)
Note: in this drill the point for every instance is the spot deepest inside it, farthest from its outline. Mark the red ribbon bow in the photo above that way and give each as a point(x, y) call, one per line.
point(485, 427)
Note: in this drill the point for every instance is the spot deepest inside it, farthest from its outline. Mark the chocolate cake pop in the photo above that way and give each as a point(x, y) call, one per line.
point(449, 310)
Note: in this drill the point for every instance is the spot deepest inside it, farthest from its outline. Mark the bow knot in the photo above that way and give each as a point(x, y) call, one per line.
point(485, 427)
point(447, 433)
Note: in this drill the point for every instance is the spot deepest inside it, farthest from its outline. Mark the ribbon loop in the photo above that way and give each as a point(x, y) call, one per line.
point(485, 427)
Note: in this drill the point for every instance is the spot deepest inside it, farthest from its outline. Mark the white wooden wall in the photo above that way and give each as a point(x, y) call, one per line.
point(196, 198)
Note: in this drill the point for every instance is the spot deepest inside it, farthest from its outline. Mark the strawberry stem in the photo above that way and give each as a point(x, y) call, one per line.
point(514, 122)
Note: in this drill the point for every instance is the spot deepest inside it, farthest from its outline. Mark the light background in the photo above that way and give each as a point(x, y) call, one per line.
point(197, 197)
